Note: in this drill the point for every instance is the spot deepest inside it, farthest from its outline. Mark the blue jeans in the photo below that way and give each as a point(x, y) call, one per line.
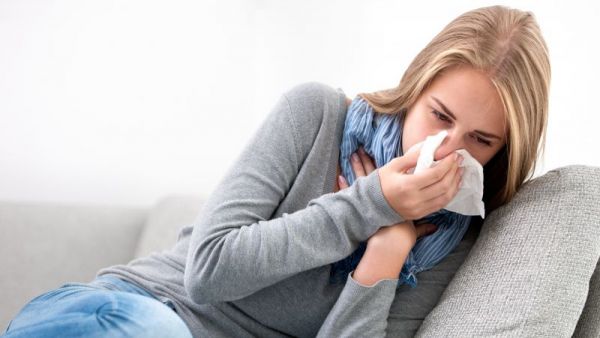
point(105, 307)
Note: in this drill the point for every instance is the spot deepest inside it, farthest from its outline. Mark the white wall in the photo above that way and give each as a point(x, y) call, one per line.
point(121, 102)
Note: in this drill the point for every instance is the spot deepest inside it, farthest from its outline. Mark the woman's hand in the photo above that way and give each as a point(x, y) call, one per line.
point(388, 248)
point(401, 235)
point(414, 196)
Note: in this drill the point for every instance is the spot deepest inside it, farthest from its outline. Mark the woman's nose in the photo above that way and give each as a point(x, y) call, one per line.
point(450, 145)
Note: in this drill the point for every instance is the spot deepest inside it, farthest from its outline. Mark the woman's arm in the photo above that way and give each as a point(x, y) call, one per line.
point(382, 261)
point(366, 316)
point(378, 272)
point(236, 248)
point(379, 269)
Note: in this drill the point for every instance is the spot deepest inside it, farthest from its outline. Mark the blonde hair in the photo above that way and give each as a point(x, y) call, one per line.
point(507, 45)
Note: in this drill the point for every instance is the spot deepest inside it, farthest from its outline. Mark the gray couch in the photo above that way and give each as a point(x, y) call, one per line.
point(44, 245)
point(533, 271)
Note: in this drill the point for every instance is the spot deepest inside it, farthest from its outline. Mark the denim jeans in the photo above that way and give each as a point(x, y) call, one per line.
point(105, 307)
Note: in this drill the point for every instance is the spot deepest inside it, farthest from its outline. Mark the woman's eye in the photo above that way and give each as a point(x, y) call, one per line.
point(441, 116)
point(486, 142)
point(444, 118)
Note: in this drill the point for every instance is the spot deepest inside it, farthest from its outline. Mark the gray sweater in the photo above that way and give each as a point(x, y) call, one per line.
point(256, 260)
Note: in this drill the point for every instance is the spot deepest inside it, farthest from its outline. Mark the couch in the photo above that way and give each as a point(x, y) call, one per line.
point(532, 272)
point(44, 245)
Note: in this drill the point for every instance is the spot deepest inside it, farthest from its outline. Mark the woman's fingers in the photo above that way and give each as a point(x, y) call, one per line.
point(357, 165)
point(431, 176)
point(444, 186)
point(425, 229)
point(367, 162)
point(362, 165)
point(361, 162)
point(342, 182)
point(446, 196)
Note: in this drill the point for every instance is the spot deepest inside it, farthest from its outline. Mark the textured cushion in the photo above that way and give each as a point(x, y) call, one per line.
point(529, 272)
point(166, 218)
point(589, 322)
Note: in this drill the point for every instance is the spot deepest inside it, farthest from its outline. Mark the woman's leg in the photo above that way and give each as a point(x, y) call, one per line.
point(104, 307)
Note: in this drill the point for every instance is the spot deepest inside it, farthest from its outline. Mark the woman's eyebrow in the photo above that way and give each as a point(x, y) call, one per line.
point(447, 111)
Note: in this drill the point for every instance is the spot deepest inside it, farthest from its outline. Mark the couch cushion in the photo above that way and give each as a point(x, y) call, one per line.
point(589, 322)
point(529, 271)
point(46, 244)
point(166, 218)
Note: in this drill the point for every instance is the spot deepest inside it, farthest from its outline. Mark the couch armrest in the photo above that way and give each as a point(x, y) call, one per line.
point(44, 244)
point(530, 271)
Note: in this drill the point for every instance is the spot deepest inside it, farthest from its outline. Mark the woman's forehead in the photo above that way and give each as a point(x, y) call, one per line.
point(470, 96)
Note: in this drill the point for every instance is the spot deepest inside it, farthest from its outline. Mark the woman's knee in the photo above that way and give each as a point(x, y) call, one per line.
point(99, 313)
point(142, 316)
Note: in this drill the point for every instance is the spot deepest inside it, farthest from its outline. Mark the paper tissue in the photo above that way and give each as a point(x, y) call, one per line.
point(468, 200)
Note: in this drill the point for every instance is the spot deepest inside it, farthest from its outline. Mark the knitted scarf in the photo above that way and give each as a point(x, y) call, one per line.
point(381, 137)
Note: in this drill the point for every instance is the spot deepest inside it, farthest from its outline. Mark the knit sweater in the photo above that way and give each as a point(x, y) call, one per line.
point(256, 260)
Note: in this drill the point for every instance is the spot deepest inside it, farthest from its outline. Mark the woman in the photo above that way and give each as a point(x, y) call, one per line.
point(260, 257)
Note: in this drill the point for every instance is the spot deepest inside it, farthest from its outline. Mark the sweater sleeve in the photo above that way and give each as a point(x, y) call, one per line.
point(360, 310)
point(236, 248)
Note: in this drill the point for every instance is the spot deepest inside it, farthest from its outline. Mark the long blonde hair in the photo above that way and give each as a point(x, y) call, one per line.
point(507, 45)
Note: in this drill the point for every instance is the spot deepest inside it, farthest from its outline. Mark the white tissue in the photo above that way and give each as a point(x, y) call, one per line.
point(468, 200)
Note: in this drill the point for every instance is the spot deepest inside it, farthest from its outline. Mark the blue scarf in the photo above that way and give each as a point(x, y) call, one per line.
point(381, 137)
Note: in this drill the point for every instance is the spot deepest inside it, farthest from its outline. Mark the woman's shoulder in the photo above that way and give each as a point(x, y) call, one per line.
point(313, 88)
point(316, 93)
point(315, 108)
point(313, 103)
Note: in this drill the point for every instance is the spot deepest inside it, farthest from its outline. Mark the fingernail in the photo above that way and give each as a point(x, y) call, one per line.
point(355, 157)
point(341, 180)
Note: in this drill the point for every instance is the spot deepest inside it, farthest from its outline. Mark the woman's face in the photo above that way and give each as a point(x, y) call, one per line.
point(464, 102)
